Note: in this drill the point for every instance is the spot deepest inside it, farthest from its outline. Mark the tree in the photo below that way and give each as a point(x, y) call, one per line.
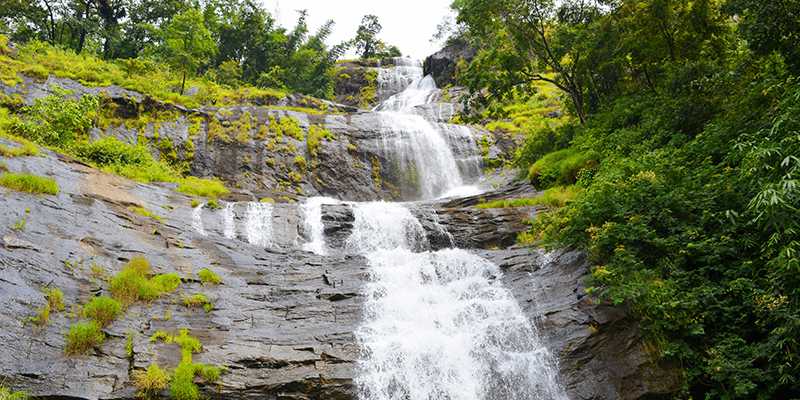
point(366, 40)
point(537, 41)
point(187, 43)
point(770, 26)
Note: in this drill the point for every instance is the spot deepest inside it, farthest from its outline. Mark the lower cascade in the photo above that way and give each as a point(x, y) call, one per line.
point(440, 325)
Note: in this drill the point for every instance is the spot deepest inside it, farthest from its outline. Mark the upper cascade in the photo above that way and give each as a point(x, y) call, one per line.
point(397, 76)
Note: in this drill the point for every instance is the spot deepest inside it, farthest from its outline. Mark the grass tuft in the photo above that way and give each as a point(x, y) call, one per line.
point(132, 284)
point(194, 186)
point(82, 337)
point(29, 183)
point(103, 310)
point(198, 300)
point(8, 394)
point(208, 276)
point(55, 298)
point(150, 382)
point(554, 197)
point(145, 213)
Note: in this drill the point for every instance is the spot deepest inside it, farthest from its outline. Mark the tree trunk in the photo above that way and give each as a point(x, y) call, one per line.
point(183, 82)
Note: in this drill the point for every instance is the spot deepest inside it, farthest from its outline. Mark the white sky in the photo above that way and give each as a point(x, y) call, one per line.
point(407, 24)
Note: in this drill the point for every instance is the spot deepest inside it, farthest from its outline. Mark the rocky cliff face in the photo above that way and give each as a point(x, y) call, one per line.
point(282, 321)
point(251, 148)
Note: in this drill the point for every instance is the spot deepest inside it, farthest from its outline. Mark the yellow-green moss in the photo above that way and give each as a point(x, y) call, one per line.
point(29, 183)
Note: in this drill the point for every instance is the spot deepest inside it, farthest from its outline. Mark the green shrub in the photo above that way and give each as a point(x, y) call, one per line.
point(208, 276)
point(183, 386)
point(102, 309)
point(29, 183)
point(167, 283)
point(56, 120)
point(210, 373)
point(111, 151)
point(189, 344)
point(19, 226)
point(561, 167)
point(300, 162)
point(42, 316)
point(129, 344)
point(82, 337)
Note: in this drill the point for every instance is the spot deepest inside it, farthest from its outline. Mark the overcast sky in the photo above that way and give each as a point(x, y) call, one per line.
point(408, 24)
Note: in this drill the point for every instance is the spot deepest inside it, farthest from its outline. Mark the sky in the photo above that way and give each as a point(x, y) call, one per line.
point(407, 24)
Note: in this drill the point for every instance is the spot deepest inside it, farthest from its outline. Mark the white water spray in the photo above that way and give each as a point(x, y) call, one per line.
point(440, 325)
point(197, 219)
point(258, 224)
point(228, 223)
point(312, 220)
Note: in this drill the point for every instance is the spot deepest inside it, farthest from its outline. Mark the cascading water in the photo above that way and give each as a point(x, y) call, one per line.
point(228, 223)
point(258, 224)
point(423, 149)
point(197, 219)
point(314, 229)
point(437, 325)
point(440, 325)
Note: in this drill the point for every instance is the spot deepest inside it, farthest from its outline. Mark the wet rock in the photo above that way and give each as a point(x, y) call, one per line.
point(442, 64)
point(602, 355)
point(281, 324)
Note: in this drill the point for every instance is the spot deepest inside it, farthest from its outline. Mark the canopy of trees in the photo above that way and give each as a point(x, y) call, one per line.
point(685, 153)
point(230, 41)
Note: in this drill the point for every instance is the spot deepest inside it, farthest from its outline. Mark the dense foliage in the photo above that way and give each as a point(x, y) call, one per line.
point(685, 145)
point(228, 42)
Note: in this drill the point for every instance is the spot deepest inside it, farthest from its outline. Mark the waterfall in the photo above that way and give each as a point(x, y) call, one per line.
point(423, 149)
point(228, 223)
point(258, 224)
point(197, 219)
point(440, 325)
point(312, 224)
point(392, 80)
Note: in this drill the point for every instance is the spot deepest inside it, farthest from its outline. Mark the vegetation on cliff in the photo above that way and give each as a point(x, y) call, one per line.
point(684, 144)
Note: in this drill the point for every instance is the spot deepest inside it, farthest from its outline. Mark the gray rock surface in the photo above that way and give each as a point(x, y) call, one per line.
point(442, 64)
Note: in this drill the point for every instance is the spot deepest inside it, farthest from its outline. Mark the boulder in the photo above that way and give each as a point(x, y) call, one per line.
point(442, 64)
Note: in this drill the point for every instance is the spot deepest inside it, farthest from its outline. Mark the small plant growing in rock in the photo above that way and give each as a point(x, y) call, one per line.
point(8, 394)
point(55, 298)
point(42, 316)
point(166, 283)
point(129, 344)
point(195, 203)
point(208, 276)
point(132, 283)
point(103, 310)
point(213, 204)
point(19, 226)
point(151, 381)
point(198, 300)
point(98, 272)
point(145, 213)
point(82, 337)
